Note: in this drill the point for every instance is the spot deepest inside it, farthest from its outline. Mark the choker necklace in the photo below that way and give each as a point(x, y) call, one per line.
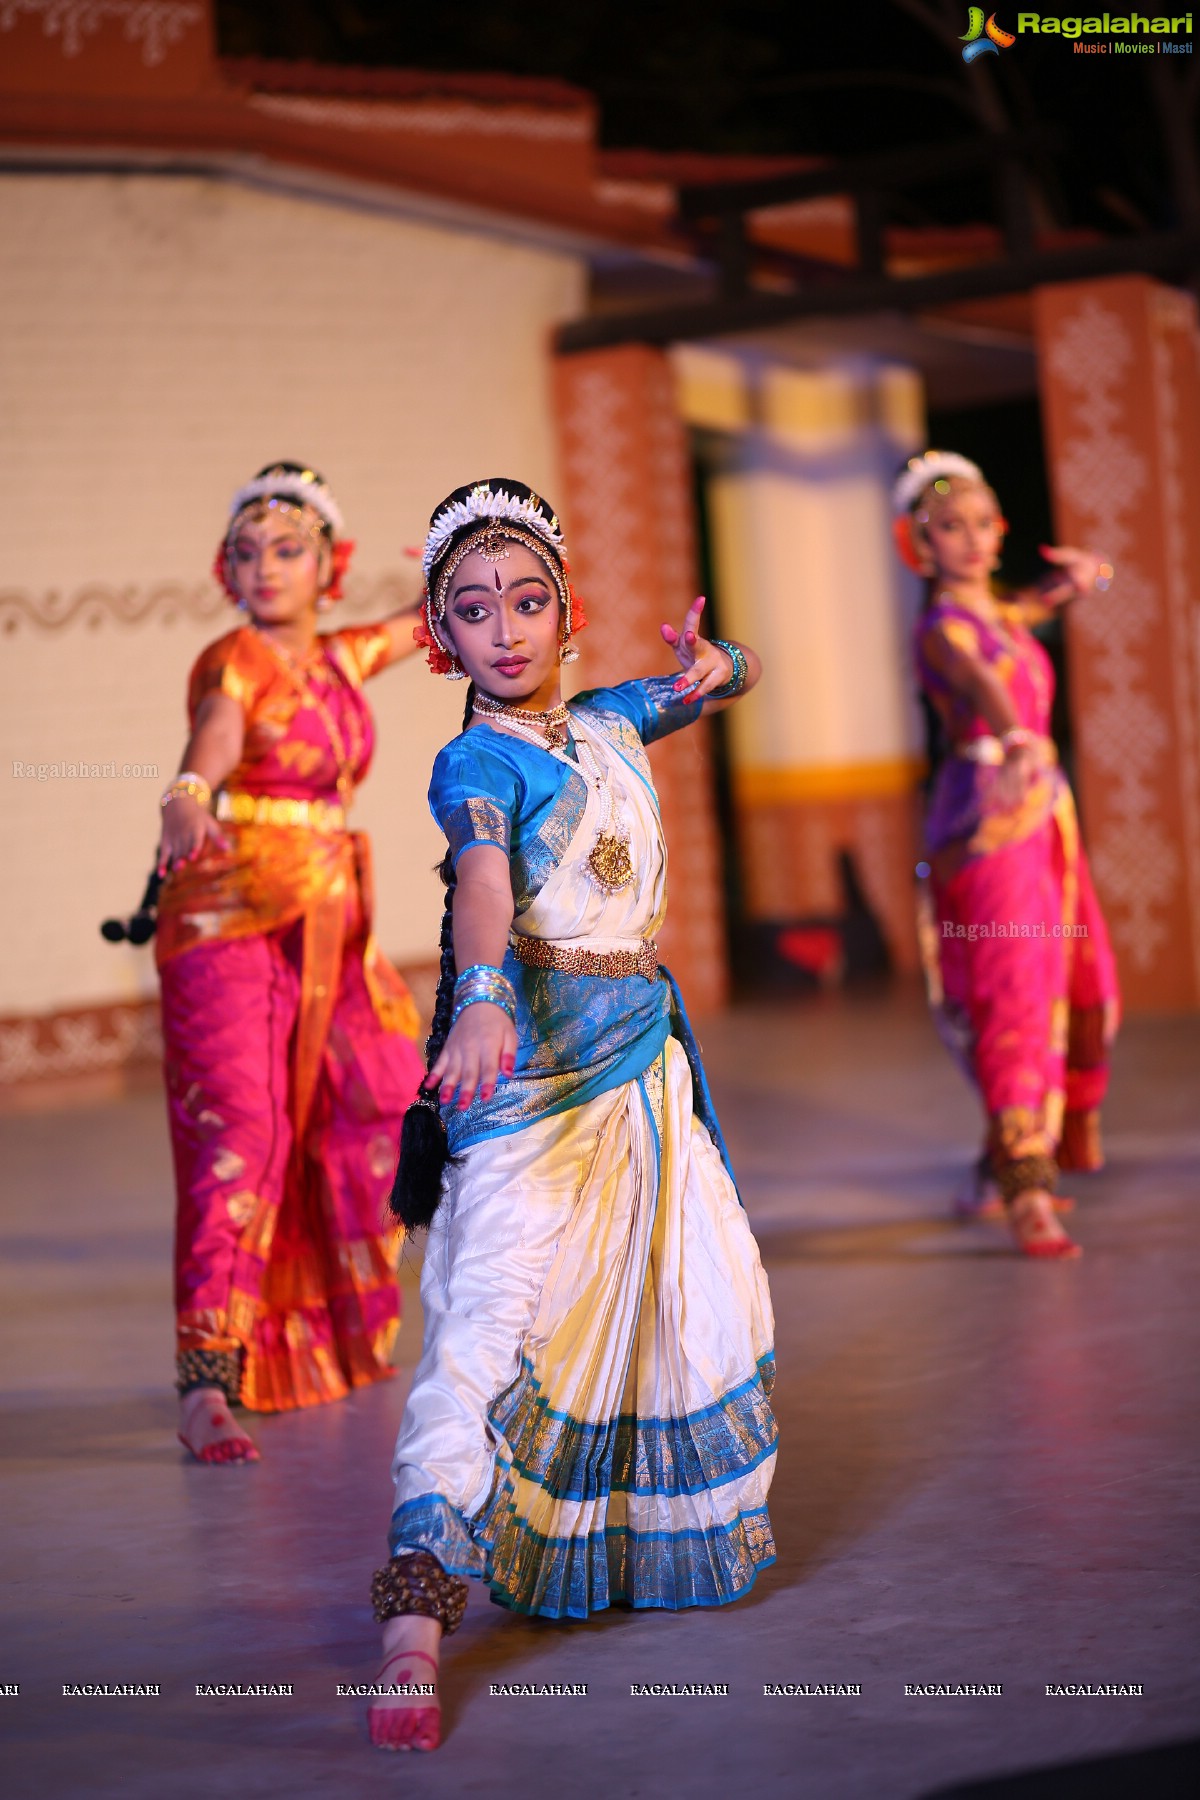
point(548, 728)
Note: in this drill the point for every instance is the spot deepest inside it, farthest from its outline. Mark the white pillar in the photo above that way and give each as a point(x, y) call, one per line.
point(826, 756)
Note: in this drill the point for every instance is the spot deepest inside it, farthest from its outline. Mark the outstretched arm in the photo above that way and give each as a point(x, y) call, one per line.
point(1075, 573)
point(704, 665)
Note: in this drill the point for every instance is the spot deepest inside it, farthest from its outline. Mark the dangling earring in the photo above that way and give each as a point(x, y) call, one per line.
point(567, 652)
point(324, 602)
point(456, 672)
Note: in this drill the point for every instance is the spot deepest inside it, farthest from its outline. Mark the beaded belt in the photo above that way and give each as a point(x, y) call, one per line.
point(571, 959)
point(278, 809)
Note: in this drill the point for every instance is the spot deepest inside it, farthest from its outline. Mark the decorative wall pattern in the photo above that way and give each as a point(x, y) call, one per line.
point(79, 1042)
point(94, 1039)
point(154, 24)
point(165, 602)
point(1176, 367)
point(1120, 480)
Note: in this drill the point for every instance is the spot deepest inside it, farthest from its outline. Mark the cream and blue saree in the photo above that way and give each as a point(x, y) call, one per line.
point(589, 1423)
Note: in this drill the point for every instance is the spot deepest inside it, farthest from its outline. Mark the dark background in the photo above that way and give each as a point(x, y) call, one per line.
point(789, 77)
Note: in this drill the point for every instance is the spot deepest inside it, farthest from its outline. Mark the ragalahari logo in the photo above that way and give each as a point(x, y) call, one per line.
point(984, 39)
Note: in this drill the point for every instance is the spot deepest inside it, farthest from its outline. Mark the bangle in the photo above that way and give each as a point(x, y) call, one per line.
point(741, 669)
point(1015, 738)
point(187, 782)
point(483, 984)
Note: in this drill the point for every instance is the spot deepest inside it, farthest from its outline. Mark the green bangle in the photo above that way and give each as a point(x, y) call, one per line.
point(741, 669)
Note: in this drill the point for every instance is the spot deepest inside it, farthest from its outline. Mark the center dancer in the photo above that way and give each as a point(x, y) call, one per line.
point(589, 1424)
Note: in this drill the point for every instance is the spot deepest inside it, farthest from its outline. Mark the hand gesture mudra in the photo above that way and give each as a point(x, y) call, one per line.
point(704, 666)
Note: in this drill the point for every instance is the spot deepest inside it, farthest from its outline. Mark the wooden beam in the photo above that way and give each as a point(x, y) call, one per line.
point(889, 169)
point(1171, 255)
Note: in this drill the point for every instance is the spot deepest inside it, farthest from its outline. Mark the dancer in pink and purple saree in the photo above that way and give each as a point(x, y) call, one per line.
point(1020, 970)
point(289, 1040)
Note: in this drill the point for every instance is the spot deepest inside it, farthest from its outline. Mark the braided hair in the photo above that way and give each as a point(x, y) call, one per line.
point(424, 1146)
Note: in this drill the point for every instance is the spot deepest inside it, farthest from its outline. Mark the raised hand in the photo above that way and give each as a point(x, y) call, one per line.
point(1076, 572)
point(704, 666)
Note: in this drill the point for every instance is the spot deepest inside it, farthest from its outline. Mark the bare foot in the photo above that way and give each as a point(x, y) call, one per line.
point(209, 1430)
point(412, 1720)
point(1036, 1228)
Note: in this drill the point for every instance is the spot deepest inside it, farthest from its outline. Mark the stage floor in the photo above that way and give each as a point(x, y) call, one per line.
point(987, 1475)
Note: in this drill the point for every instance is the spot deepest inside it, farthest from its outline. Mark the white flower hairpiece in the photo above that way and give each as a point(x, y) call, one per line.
point(306, 489)
point(484, 503)
point(934, 465)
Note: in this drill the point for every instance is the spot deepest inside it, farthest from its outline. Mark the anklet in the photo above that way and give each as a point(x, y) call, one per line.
point(209, 1368)
point(417, 1583)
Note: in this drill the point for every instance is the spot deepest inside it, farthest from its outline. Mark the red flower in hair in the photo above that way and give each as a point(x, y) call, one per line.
point(909, 555)
point(342, 551)
point(439, 659)
point(221, 575)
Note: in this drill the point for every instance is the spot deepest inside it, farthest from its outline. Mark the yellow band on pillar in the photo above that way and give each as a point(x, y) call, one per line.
point(829, 781)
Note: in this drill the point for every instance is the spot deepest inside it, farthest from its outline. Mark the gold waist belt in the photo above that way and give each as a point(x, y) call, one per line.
point(990, 750)
point(238, 808)
point(539, 953)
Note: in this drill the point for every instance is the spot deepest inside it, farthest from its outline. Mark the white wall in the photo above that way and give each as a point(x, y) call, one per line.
point(160, 338)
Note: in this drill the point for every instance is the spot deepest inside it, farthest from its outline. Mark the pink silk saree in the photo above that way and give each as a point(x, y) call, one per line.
point(289, 1049)
point(1016, 952)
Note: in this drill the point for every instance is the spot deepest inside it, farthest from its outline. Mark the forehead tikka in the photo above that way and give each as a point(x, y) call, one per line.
point(254, 512)
point(436, 592)
point(484, 504)
point(491, 542)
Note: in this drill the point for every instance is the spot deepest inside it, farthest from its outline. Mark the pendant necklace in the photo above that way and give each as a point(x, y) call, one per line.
point(608, 861)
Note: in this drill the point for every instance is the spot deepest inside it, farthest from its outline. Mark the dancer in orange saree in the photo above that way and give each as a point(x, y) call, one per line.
point(1020, 968)
point(288, 1038)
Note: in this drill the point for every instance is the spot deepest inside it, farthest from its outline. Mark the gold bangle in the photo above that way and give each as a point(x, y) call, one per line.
point(190, 784)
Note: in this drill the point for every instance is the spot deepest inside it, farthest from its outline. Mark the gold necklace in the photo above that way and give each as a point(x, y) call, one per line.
point(300, 681)
point(550, 726)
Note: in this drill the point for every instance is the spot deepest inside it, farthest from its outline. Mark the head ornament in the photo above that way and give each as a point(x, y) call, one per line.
point(484, 519)
point(306, 501)
point(920, 472)
point(285, 482)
